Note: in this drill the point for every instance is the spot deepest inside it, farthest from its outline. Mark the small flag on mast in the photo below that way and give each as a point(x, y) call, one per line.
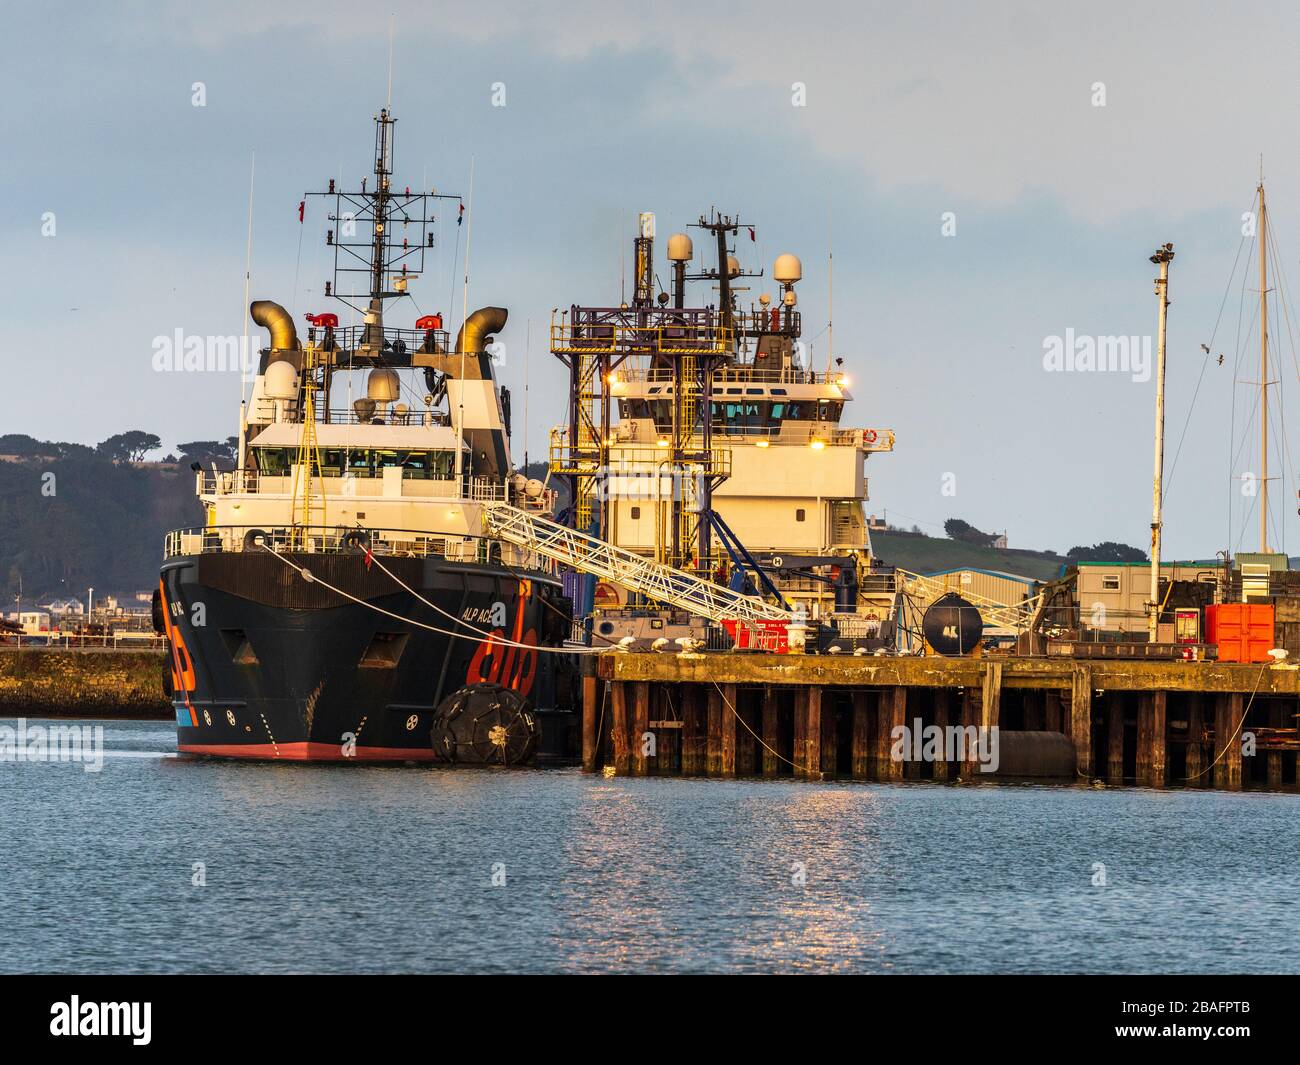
point(302, 210)
point(461, 217)
point(751, 234)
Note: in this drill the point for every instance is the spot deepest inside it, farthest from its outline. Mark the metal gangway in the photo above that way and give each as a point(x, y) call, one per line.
point(656, 582)
point(1016, 618)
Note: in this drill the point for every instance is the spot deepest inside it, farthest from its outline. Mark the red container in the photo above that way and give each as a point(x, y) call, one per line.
point(768, 636)
point(1242, 631)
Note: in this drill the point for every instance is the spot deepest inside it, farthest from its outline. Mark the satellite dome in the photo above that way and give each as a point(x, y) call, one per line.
point(382, 386)
point(787, 269)
point(680, 248)
point(281, 380)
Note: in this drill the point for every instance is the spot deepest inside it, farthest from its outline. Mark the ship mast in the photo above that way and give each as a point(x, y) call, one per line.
point(383, 176)
point(1263, 366)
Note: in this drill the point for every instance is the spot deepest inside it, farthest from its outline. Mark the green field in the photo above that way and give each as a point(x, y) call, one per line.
point(930, 554)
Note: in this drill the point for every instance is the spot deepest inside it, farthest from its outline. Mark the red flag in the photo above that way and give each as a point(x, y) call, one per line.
point(302, 210)
point(461, 217)
point(370, 556)
point(751, 234)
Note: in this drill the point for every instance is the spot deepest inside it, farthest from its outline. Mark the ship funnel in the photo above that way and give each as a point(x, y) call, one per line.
point(271, 316)
point(478, 327)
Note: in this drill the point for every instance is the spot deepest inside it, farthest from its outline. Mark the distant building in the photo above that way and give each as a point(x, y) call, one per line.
point(64, 607)
point(34, 622)
point(1113, 596)
point(1000, 541)
point(1009, 589)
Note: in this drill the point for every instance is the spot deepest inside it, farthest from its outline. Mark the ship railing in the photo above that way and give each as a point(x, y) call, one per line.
point(227, 482)
point(380, 344)
point(809, 433)
point(340, 540)
point(800, 433)
point(483, 490)
point(245, 481)
point(609, 338)
point(774, 321)
point(410, 415)
point(735, 375)
point(646, 463)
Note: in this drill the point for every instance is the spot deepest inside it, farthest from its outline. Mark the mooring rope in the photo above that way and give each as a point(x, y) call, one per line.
point(1240, 724)
point(311, 578)
point(756, 736)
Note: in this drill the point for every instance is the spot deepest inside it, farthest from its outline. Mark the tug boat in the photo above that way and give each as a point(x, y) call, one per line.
point(341, 601)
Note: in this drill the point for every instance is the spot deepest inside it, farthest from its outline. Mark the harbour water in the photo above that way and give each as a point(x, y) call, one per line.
point(392, 869)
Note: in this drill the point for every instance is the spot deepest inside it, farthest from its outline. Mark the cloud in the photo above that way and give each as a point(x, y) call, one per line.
point(985, 102)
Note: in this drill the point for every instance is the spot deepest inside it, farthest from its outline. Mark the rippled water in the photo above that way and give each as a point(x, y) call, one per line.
point(346, 868)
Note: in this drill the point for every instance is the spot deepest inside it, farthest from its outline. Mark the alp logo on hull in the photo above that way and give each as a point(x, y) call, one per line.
point(497, 662)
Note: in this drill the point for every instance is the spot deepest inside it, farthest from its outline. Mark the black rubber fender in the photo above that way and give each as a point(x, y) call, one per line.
point(484, 724)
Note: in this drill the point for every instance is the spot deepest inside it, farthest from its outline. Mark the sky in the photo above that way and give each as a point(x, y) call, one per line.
point(989, 176)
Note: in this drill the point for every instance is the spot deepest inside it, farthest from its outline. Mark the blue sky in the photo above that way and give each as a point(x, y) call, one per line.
point(986, 111)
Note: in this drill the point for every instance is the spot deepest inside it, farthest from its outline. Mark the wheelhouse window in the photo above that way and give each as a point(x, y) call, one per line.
point(415, 464)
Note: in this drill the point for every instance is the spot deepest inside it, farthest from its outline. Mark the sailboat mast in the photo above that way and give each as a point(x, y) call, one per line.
point(1263, 368)
point(1162, 258)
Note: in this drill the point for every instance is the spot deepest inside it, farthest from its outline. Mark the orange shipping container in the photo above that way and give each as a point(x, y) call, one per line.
point(1242, 631)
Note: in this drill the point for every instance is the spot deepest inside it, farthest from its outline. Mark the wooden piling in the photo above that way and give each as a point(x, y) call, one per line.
point(1151, 739)
point(808, 732)
point(1053, 715)
point(746, 727)
point(590, 722)
point(638, 728)
point(891, 713)
point(693, 731)
point(861, 752)
point(830, 745)
point(1115, 738)
point(727, 731)
point(713, 725)
point(942, 714)
point(991, 696)
point(970, 713)
point(1195, 733)
point(1032, 711)
point(1228, 712)
point(1273, 759)
point(771, 733)
point(1081, 719)
point(1160, 739)
point(618, 728)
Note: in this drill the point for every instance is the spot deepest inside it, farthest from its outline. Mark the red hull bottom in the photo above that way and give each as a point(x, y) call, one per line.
point(306, 752)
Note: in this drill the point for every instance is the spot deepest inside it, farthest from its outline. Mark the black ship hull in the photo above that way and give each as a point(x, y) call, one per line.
point(266, 664)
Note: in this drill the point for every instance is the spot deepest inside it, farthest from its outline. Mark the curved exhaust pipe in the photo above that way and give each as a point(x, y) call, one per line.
point(478, 327)
point(273, 317)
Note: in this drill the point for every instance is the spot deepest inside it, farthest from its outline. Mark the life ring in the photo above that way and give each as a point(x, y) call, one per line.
point(869, 436)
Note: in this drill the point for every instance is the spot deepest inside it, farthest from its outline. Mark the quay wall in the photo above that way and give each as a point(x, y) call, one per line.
point(77, 682)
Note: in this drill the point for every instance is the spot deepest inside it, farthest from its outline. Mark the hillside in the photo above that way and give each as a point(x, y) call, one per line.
point(929, 554)
point(97, 523)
